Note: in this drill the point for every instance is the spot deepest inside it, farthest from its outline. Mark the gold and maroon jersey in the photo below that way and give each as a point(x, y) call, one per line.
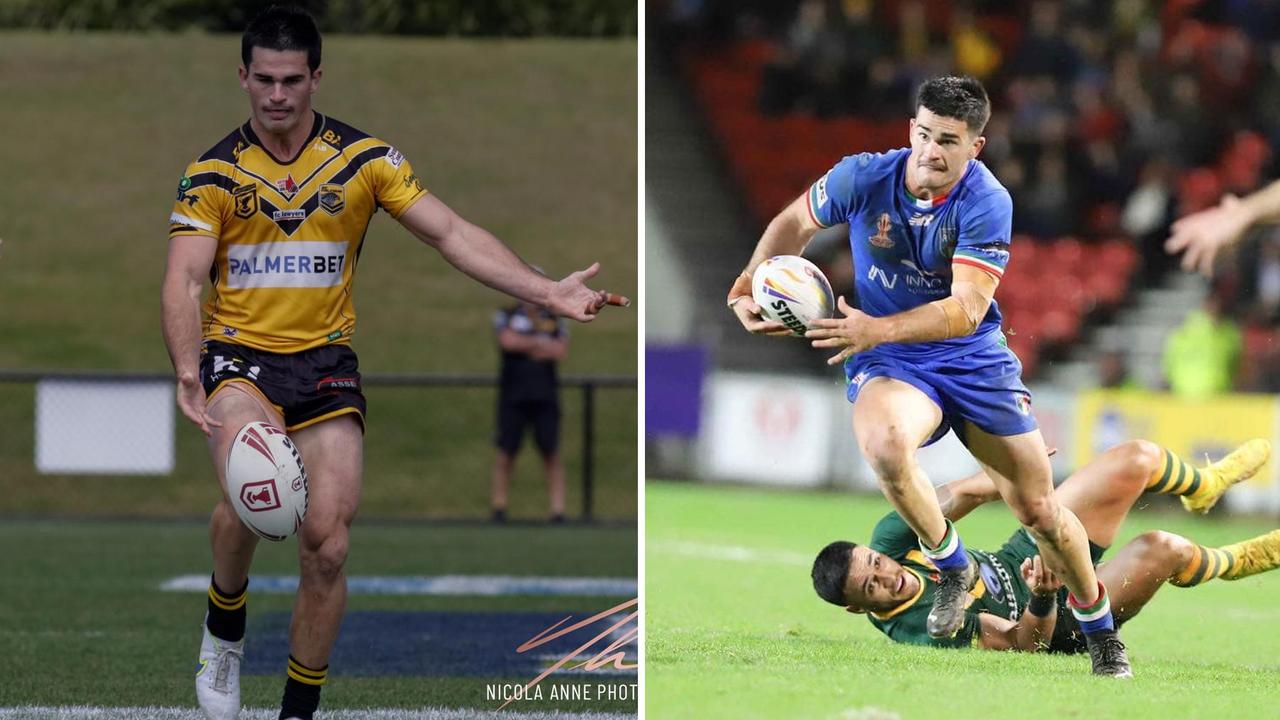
point(289, 232)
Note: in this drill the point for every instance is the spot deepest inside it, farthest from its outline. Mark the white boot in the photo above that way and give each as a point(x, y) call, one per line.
point(218, 679)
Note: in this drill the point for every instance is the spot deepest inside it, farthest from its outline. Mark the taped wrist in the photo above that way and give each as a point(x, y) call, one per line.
point(1042, 605)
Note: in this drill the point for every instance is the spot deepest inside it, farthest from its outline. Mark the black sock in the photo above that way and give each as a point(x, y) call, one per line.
point(302, 690)
point(227, 612)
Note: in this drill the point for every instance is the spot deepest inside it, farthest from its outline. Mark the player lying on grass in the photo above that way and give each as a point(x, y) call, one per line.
point(1017, 603)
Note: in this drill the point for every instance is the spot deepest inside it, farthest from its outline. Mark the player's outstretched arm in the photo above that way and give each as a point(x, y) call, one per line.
point(787, 234)
point(485, 258)
point(959, 497)
point(188, 263)
point(956, 315)
point(1199, 236)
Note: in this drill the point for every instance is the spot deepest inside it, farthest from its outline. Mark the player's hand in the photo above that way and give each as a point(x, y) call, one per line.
point(1199, 236)
point(855, 332)
point(1040, 579)
point(191, 400)
point(747, 310)
point(573, 299)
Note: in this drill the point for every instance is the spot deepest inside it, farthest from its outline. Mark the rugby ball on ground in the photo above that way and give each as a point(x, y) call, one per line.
point(266, 482)
point(792, 291)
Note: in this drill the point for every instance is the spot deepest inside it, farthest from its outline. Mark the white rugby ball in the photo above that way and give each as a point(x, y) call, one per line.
point(792, 291)
point(266, 482)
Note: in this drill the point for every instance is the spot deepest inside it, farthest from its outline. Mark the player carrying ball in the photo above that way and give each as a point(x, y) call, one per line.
point(930, 227)
point(274, 215)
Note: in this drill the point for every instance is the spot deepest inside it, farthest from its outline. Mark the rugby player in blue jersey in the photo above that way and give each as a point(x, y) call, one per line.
point(929, 228)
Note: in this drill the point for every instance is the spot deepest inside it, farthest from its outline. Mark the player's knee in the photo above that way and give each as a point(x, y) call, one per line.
point(1039, 515)
point(1142, 458)
point(1158, 544)
point(324, 555)
point(890, 455)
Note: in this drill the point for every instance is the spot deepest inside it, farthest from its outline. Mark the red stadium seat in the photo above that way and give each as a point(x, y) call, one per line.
point(1198, 189)
point(1059, 326)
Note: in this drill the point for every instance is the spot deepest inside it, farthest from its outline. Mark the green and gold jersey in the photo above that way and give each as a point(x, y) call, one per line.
point(289, 232)
point(1000, 589)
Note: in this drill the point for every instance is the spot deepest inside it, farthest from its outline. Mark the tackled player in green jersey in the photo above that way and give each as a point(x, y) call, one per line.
point(1017, 603)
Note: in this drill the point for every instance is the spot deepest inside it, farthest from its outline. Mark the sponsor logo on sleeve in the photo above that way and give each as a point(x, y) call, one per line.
point(332, 138)
point(821, 188)
point(395, 157)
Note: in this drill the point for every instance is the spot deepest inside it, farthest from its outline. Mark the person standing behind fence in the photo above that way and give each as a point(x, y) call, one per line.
point(274, 215)
point(532, 341)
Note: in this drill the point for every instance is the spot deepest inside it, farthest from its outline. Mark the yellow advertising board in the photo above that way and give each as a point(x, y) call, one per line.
point(1196, 430)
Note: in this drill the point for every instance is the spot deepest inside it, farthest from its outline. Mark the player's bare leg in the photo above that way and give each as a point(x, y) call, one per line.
point(1019, 467)
point(1102, 492)
point(222, 648)
point(554, 467)
point(503, 463)
point(891, 419)
point(333, 453)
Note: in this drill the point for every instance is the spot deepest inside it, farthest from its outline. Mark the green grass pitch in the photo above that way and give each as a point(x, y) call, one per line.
point(734, 630)
point(85, 624)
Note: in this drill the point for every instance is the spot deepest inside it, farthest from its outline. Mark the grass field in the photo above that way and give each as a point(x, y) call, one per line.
point(84, 622)
point(534, 140)
point(734, 630)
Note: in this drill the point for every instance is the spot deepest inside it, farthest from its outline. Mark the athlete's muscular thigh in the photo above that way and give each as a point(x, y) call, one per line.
point(333, 453)
point(235, 405)
point(891, 419)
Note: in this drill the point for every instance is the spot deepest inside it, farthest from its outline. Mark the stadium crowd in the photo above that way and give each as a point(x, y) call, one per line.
point(1111, 119)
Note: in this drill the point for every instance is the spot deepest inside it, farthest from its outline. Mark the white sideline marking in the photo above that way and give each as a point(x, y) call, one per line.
point(490, 585)
point(89, 712)
point(735, 553)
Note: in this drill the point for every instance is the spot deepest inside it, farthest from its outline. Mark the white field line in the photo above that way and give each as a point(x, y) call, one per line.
point(89, 712)
point(487, 585)
point(732, 553)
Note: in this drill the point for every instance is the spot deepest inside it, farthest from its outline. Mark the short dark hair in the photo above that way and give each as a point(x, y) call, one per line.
point(831, 569)
point(282, 27)
point(956, 96)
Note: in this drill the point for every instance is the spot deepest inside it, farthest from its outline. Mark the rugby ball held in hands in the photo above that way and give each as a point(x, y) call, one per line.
point(792, 291)
point(266, 481)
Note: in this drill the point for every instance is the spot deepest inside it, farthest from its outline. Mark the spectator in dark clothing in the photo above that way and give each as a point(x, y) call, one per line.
point(532, 342)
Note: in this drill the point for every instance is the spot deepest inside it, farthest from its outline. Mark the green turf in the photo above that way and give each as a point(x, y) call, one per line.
point(83, 622)
point(748, 638)
point(534, 140)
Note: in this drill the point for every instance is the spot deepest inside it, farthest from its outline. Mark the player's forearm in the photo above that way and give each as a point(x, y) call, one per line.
point(956, 315)
point(788, 234)
point(180, 324)
point(959, 497)
point(1034, 632)
point(483, 257)
point(1263, 205)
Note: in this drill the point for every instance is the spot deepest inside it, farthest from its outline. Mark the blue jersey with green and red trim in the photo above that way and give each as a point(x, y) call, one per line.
point(904, 247)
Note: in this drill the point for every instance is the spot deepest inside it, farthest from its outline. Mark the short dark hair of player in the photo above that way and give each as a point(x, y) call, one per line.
point(956, 96)
point(282, 27)
point(831, 569)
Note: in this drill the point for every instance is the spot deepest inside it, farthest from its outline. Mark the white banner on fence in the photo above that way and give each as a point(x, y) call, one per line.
point(104, 427)
point(767, 429)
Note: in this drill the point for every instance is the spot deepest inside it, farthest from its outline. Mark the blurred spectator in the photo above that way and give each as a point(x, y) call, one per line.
point(1113, 372)
point(976, 53)
point(532, 341)
point(1202, 356)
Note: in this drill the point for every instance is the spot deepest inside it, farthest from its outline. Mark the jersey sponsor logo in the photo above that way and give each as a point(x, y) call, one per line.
point(333, 198)
point(246, 200)
point(920, 280)
point(859, 378)
point(412, 181)
point(920, 220)
point(301, 264)
point(288, 187)
point(333, 384)
point(881, 239)
point(821, 188)
point(875, 273)
point(183, 186)
point(240, 147)
point(332, 138)
point(998, 583)
point(279, 215)
point(395, 157)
